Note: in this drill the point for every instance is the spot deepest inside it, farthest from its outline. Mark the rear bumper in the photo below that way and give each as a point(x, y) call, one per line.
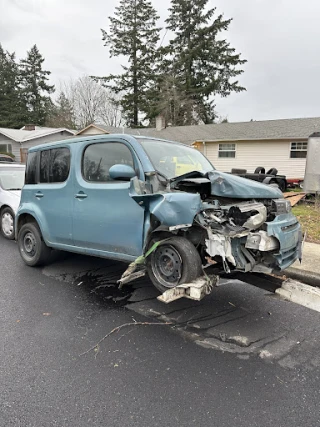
point(287, 230)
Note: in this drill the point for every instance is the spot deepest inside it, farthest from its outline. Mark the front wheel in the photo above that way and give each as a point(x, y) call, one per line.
point(32, 248)
point(7, 223)
point(174, 261)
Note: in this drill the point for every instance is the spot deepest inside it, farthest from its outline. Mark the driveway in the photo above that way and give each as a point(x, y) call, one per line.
point(239, 357)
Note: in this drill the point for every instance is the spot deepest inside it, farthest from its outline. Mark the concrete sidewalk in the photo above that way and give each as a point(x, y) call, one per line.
point(309, 270)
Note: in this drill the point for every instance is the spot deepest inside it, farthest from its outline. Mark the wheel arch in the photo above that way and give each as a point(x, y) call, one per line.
point(22, 219)
point(5, 206)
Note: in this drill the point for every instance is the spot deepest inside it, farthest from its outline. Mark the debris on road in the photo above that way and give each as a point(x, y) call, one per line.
point(195, 290)
point(118, 328)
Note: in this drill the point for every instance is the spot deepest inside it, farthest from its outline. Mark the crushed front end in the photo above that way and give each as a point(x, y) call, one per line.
point(246, 227)
point(254, 235)
point(234, 224)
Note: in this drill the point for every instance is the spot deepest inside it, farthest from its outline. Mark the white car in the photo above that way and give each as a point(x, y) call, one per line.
point(11, 183)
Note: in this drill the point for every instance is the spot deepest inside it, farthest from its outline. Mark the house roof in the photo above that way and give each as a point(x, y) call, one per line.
point(22, 135)
point(254, 130)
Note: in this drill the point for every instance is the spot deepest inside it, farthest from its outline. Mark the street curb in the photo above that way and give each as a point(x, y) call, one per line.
point(300, 293)
point(304, 276)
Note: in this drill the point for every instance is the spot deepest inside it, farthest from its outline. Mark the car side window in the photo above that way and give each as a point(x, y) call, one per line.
point(31, 168)
point(98, 159)
point(54, 165)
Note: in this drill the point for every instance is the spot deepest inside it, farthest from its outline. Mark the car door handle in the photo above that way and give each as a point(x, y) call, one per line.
point(81, 195)
point(39, 195)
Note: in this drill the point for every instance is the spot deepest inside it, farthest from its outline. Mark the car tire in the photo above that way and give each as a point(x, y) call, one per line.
point(7, 223)
point(238, 171)
point(174, 261)
point(32, 248)
point(272, 171)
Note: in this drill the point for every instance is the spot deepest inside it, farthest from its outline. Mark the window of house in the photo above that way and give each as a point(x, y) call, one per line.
point(54, 165)
point(31, 168)
point(227, 150)
point(298, 150)
point(5, 148)
point(98, 159)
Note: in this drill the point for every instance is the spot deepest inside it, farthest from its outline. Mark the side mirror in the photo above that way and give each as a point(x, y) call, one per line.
point(121, 172)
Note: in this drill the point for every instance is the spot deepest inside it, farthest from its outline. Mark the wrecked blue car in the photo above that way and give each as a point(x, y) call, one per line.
point(129, 198)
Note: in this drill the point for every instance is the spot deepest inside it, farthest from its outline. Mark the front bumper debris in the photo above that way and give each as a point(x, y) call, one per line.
point(195, 290)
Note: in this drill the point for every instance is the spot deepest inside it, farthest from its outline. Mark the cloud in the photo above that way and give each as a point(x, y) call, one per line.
point(279, 39)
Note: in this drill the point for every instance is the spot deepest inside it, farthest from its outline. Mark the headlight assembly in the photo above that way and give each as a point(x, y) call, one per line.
point(281, 206)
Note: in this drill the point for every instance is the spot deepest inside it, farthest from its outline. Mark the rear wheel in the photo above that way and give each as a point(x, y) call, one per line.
point(7, 223)
point(174, 261)
point(32, 248)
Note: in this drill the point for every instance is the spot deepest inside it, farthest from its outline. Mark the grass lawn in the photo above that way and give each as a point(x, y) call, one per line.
point(309, 218)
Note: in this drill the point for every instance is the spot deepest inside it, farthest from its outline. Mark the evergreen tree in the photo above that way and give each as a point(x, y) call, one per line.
point(35, 88)
point(134, 35)
point(61, 114)
point(12, 109)
point(201, 61)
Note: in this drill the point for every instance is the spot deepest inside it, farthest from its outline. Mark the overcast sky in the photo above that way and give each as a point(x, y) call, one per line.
point(279, 38)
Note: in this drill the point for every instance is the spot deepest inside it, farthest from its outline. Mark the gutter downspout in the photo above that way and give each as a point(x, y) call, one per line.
point(204, 148)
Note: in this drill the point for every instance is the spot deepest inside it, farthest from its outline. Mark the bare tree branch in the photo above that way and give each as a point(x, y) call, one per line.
point(118, 328)
point(92, 103)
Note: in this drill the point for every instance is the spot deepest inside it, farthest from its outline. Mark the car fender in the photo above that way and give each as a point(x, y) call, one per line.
point(37, 214)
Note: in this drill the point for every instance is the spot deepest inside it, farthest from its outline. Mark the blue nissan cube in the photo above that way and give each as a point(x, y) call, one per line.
point(123, 197)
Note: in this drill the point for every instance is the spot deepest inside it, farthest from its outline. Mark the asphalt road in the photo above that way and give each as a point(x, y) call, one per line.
point(241, 357)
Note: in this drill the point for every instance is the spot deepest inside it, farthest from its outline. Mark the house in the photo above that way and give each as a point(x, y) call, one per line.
point(280, 144)
point(17, 141)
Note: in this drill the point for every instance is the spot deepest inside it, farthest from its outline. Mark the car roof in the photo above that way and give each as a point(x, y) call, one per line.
point(97, 138)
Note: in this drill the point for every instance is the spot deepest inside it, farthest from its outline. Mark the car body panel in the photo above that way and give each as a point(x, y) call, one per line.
point(10, 198)
point(233, 186)
point(116, 219)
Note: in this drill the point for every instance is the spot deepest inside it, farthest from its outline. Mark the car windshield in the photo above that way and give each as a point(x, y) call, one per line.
point(12, 179)
point(173, 160)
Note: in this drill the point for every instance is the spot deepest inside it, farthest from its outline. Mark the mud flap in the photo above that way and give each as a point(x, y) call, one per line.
point(195, 290)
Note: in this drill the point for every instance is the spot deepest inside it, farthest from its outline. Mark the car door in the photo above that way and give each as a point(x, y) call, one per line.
point(51, 192)
point(105, 217)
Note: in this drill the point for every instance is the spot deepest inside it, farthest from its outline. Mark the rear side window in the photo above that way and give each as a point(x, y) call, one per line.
point(31, 168)
point(54, 165)
point(98, 159)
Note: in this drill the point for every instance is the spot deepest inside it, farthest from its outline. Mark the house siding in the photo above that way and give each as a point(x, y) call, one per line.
point(251, 154)
point(34, 142)
point(91, 131)
point(15, 146)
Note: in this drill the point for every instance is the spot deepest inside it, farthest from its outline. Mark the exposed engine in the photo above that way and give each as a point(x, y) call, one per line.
point(244, 227)
point(237, 232)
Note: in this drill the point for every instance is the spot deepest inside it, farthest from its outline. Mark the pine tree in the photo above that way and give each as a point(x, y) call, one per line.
point(61, 114)
point(34, 87)
point(134, 35)
point(201, 61)
point(12, 109)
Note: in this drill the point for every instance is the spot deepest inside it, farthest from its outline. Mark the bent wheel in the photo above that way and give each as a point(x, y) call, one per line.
point(174, 261)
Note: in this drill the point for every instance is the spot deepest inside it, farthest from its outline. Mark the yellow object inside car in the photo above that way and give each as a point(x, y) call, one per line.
point(177, 166)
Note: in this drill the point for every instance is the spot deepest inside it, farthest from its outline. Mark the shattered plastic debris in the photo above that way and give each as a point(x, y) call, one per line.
point(195, 290)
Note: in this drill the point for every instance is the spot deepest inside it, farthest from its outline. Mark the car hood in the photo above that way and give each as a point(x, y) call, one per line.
point(228, 185)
